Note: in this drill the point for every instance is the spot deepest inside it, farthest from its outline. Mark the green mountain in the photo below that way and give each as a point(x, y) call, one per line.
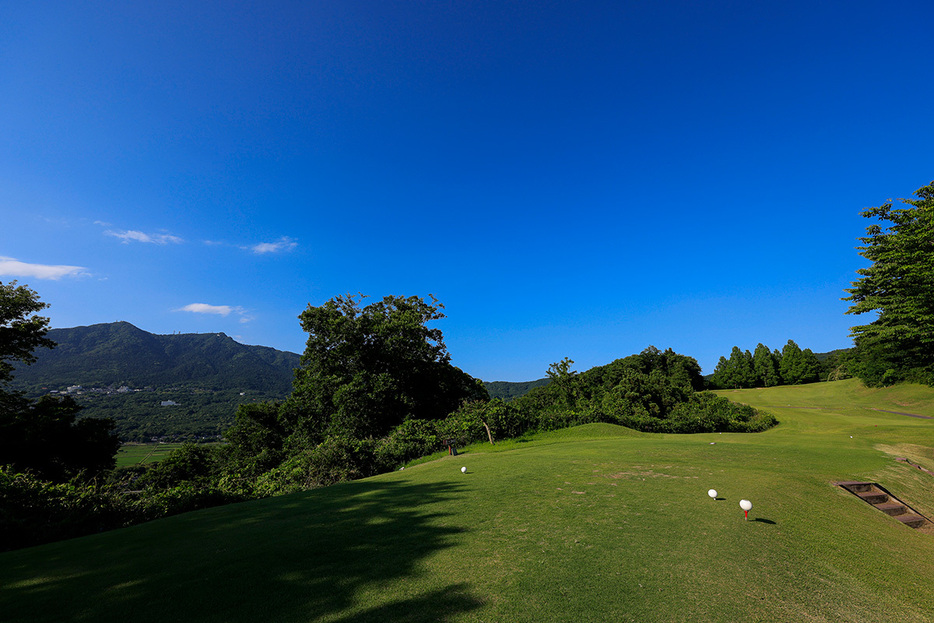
point(507, 390)
point(119, 353)
point(178, 386)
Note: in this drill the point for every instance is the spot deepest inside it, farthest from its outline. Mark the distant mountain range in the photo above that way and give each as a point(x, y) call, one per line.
point(155, 387)
point(120, 354)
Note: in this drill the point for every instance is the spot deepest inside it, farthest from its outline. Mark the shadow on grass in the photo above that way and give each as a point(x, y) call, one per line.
point(763, 520)
point(301, 557)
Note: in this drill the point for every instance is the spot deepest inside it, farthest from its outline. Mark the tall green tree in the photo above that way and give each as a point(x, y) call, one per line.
point(798, 366)
point(790, 362)
point(721, 377)
point(745, 367)
point(44, 437)
point(899, 287)
point(810, 367)
point(562, 380)
point(736, 372)
point(765, 366)
point(368, 369)
point(21, 330)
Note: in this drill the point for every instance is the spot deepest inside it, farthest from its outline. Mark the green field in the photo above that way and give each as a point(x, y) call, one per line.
point(597, 523)
point(141, 453)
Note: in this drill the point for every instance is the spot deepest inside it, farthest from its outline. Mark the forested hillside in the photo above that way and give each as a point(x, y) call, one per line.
point(154, 386)
point(119, 353)
point(507, 390)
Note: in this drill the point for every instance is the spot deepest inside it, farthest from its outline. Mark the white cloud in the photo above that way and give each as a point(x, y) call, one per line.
point(15, 268)
point(204, 308)
point(132, 235)
point(281, 245)
point(218, 310)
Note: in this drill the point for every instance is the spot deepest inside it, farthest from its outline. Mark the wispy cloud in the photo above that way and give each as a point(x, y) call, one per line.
point(217, 310)
point(132, 235)
point(14, 268)
point(281, 245)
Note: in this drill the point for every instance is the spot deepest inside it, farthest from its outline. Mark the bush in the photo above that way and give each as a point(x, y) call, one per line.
point(336, 459)
point(708, 413)
point(188, 496)
point(464, 426)
point(34, 511)
point(192, 463)
point(410, 440)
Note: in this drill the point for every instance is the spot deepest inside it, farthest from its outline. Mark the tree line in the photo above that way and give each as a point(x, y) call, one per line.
point(767, 368)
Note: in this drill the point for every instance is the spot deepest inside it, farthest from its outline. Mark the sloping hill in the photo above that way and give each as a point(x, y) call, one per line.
point(183, 386)
point(119, 353)
point(576, 525)
point(507, 390)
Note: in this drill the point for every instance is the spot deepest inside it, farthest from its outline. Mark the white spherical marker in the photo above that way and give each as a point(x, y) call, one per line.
point(746, 505)
point(712, 493)
point(463, 470)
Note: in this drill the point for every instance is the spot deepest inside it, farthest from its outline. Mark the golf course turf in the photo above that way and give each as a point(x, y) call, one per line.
point(596, 523)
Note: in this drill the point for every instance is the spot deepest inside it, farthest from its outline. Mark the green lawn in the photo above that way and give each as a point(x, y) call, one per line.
point(591, 524)
point(137, 453)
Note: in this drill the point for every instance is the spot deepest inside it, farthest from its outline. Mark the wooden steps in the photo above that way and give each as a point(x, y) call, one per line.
point(876, 495)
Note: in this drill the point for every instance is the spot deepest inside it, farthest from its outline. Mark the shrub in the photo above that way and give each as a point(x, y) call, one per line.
point(707, 413)
point(34, 511)
point(410, 440)
point(192, 463)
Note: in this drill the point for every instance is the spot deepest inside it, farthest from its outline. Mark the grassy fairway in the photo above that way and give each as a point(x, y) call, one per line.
point(592, 524)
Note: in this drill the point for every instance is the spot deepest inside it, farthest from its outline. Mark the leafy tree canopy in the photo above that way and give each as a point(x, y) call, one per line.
point(45, 436)
point(765, 365)
point(899, 286)
point(367, 369)
point(21, 331)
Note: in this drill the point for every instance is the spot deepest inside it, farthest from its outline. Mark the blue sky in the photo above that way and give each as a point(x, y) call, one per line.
point(570, 179)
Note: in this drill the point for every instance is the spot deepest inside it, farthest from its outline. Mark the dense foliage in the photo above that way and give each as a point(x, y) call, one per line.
point(899, 287)
point(34, 510)
point(765, 368)
point(366, 370)
point(21, 329)
point(653, 391)
point(44, 436)
point(180, 413)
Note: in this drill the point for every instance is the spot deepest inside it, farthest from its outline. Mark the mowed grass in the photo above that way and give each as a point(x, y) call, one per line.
point(596, 523)
point(142, 453)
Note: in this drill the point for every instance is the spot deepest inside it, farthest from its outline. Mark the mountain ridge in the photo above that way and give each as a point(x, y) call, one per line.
point(119, 353)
